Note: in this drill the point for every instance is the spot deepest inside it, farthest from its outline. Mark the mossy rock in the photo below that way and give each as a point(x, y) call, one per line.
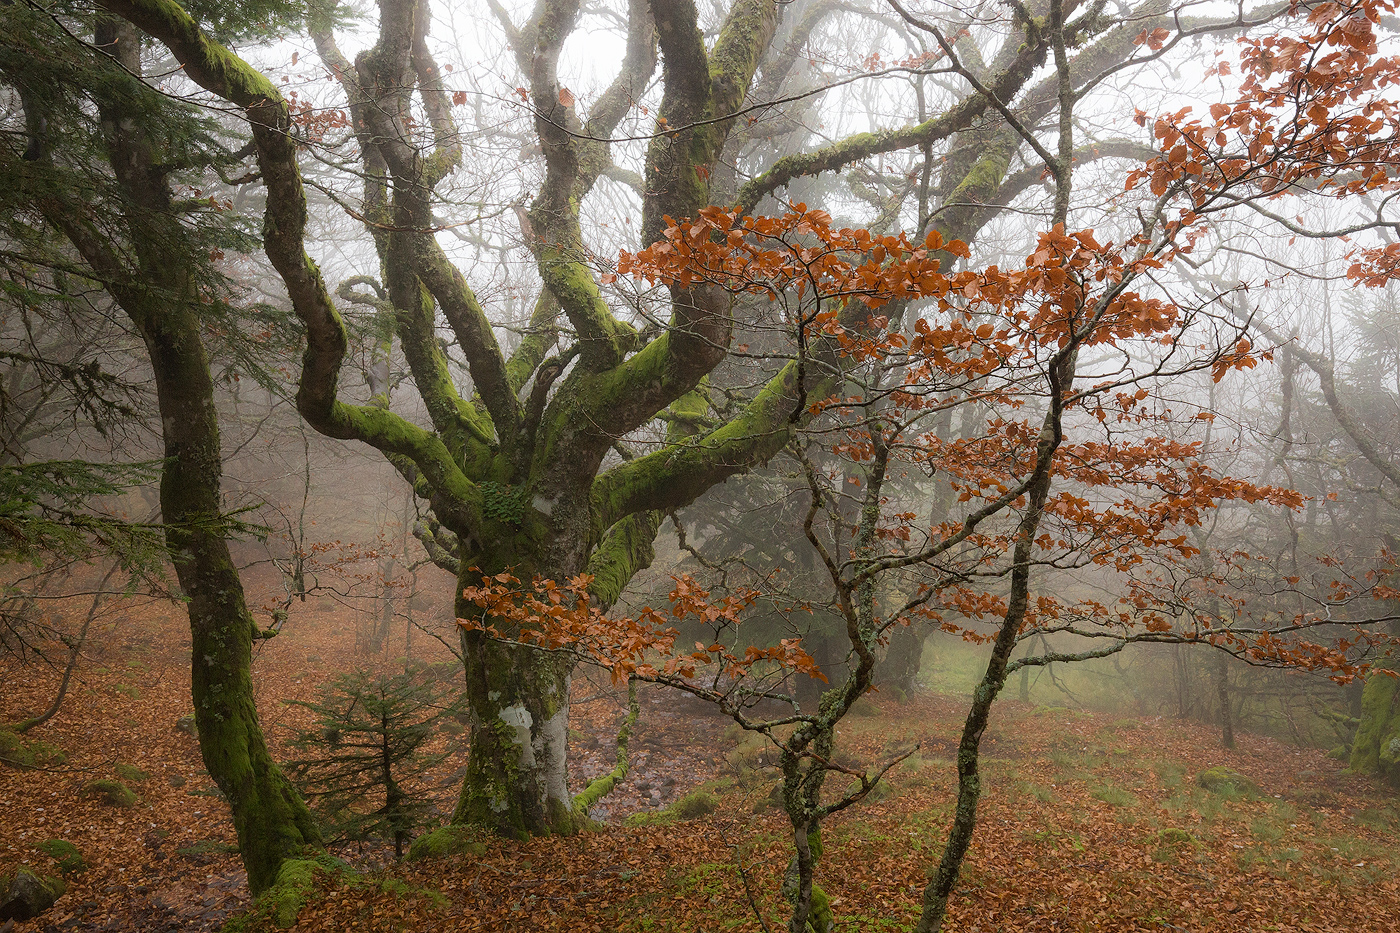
point(864, 706)
point(130, 772)
point(207, 847)
point(1176, 838)
point(186, 724)
point(25, 893)
point(446, 841)
point(1376, 748)
point(1223, 780)
point(112, 793)
point(693, 805)
point(68, 856)
point(27, 754)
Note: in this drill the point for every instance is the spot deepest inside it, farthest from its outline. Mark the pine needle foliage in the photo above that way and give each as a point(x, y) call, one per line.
point(366, 749)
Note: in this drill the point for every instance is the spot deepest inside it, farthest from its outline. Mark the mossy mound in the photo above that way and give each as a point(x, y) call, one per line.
point(693, 805)
point(130, 773)
point(19, 753)
point(112, 793)
point(68, 856)
point(446, 841)
point(1226, 781)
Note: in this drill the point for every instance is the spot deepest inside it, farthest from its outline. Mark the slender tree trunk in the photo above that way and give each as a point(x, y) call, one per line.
point(272, 821)
point(903, 658)
point(1222, 695)
point(945, 876)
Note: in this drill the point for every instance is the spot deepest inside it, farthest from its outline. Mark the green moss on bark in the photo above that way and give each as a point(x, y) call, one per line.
point(516, 782)
point(1376, 750)
point(278, 905)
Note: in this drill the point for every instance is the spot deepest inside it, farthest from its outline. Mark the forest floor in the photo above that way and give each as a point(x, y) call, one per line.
point(1088, 821)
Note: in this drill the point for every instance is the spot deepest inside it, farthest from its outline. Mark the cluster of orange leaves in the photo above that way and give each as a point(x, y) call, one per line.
point(1316, 112)
point(989, 323)
point(315, 122)
point(562, 616)
point(801, 254)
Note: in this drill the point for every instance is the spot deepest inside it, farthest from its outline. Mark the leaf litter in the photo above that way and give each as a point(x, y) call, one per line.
point(1087, 822)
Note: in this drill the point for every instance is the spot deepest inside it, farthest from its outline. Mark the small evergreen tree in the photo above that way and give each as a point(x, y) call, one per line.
point(368, 743)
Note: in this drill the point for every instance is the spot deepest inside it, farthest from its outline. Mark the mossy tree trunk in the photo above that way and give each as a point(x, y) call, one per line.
point(154, 278)
point(1376, 748)
point(517, 777)
point(899, 670)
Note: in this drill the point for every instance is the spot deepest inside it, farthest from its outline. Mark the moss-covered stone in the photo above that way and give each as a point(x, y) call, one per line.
point(25, 893)
point(695, 804)
point(130, 772)
point(68, 856)
point(32, 753)
point(447, 841)
point(112, 793)
point(1223, 780)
